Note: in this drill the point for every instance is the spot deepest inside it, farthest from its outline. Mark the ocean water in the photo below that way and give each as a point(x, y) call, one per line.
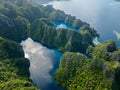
point(103, 15)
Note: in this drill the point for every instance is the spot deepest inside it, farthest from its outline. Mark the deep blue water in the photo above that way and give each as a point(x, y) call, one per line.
point(43, 63)
point(103, 15)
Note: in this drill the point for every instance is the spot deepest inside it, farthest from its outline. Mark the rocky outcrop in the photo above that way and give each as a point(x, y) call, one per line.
point(76, 71)
point(63, 39)
point(27, 19)
point(14, 68)
point(106, 51)
point(13, 28)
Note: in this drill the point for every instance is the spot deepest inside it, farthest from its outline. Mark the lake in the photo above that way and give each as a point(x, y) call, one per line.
point(103, 15)
point(43, 63)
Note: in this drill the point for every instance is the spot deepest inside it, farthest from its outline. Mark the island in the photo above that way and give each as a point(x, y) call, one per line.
point(84, 66)
point(23, 19)
point(99, 71)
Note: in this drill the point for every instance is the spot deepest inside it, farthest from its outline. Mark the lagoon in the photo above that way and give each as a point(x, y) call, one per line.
point(43, 63)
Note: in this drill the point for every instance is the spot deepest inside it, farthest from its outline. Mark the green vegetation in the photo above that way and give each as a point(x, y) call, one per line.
point(20, 19)
point(100, 72)
point(14, 68)
point(63, 39)
point(106, 51)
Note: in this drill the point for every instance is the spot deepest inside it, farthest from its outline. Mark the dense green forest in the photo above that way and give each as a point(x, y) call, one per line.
point(20, 19)
point(98, 72)
point(84, 66)
point(14, 68)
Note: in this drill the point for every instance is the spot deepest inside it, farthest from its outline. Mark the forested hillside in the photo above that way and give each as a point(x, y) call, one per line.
point(20, 19)
point(14, 68)
point(84, 66)
point(98, 72)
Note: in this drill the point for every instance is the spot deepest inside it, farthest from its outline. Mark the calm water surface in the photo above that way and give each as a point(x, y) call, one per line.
point(103, 15)
point(43, 63)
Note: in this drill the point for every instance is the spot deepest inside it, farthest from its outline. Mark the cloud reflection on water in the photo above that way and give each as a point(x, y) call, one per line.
point(42, 61)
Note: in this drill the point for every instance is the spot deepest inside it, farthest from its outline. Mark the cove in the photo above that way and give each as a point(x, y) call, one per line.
point(59, 24)
point(63, 25)
point(103, 15)
point(43, 63)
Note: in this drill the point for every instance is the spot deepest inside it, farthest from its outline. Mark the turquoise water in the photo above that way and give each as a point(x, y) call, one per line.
point(43, 63)
point(63, 25)
point(103, 15)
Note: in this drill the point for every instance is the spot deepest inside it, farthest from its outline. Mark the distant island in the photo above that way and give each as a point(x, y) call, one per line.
point(41, 1)
point(45, 1)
